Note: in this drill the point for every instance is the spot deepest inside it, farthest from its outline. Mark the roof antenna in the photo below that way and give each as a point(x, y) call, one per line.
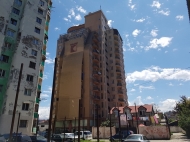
point(100, 7)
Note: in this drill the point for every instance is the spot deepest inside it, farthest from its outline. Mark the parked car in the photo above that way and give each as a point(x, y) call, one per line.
point(60, 138)
point(86, 135)
point(136, 138)
point(70, 136)
point(18, 137)
point(124, 134)
point(2, 139)
point(38, 138)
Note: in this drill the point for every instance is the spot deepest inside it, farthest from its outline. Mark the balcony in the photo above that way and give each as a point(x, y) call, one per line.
point(96, 89)
point(36, 114)
point(121, 100)
point(43, 63)
point(117, 64)
point(95, 45)
point(41, 74)
point(45, 41)
point(95, 59)
point(119, 84)
point(39, 87)
point(96, 73)
point(119, 77)
point(120, 92)
point(117, 57)
point(118, 70)
point(96, 65)
point(117, 51)
point(96, 51)
point(37, 100)
point(96, 97)
point(95, 39)
point(96, 80)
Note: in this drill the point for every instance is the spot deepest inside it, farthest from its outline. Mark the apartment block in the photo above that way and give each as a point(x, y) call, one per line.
point(90, 68)
point(23, 39)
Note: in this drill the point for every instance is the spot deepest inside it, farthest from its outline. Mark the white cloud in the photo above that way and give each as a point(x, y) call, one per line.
point(49, 90)
point(44, 95)
point(167, 105)
point(66, 19)
point(154, 33)
point(132, 90)
point(166, 52)
point(138, 101)
point(175, 49)
point(170, 84)
point(110, 22)
point(44, 112)
point(140, 20)
point(49, 60)
point(149, 98)
point(181, 84)
point(145, 87)
point(108, 11)
point(162, 42)
point(78, 17)
point(56, 29)
point(156, 4)
point(155, 73)
point(72, 12)
point(131, 6)
point(136, 32)
point(179, 17)
point(82, 10)
point(166, 13)
point(47, 53)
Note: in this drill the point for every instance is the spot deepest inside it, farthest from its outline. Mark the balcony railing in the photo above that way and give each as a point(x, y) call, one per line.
point(120, 92)
point(119, 77)
point(121, 100)
point(41, 74)
point(117, 57)
point(119, 84)
point(35, 114)
point(117, 64)
point(95, 65)
point(95, 58)
point(96, 97)
point(96, 89)
point(39, 87)
point(42, 63)
point(96, 51)
point(97, 72)
point(96, 80)
point(37, 100)
point(118, 70)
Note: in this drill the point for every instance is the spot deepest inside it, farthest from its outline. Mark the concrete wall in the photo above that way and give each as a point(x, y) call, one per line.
point(176, 129)
point(104, 132)
point(155, 132)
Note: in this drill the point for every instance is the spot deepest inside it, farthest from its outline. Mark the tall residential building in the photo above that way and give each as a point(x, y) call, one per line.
point(23, 39)
point(90, 68)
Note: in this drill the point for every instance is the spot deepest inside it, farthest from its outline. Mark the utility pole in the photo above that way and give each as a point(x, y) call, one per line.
point(127, 122)
point(110, 124)
point(79, 122)
point(52, 100)
point(15, 104)
point(17, 125)
point(97, 124)
point(137, 119)
point(119, 125)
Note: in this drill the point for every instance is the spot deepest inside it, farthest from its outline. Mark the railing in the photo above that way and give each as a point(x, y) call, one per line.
point(96, 97)
point(96, 72)
point(121, 100)
point(96, 51)
point(39, 87)
point(119, 77)
point(37, 100)
point(95, 58)
point(118, 64)
point(41, 74)
point(44, 52)
point(96, 88)
point(35, 114)
point(42, 63)
point(117, 57)
point(119, 84)
point(96, 80)
point(95, 65)
point(120, 92)
point(118, 70)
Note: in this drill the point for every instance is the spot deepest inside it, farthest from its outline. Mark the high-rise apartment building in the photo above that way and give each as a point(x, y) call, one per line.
point(90, 68)
point(23, 39)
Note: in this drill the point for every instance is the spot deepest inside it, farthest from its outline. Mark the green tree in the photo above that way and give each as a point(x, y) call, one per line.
point(106, 124)
point(182, 109)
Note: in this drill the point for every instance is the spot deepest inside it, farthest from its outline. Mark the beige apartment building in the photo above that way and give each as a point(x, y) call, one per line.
point(24, 28)
point(90, 68)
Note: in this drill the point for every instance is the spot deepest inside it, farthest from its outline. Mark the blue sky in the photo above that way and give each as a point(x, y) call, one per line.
point(155, 37)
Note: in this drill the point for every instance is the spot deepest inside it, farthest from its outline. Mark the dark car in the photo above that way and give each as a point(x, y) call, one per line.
point(17, 138)
point(38, 139)
point(136, 138)
point(60, 138)
point(123, 135)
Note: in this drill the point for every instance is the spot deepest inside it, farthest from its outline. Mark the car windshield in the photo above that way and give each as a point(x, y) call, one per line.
point(72, 135)
point(41, 138)
point(135, 137)
point(87, 133)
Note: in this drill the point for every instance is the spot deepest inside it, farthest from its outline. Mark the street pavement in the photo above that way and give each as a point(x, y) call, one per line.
point(176, 137)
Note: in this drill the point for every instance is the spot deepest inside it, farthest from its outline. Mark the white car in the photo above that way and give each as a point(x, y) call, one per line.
point(87, 135)
point(69, 136)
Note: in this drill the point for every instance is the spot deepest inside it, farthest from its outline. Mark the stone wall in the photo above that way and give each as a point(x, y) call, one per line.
point(104, 132)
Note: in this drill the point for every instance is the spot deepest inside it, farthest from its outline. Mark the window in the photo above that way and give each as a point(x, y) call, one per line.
point(1, 88)
point(142, 112)
point(2, 73)
point(13, 21)
point(23, 123)
point(18, 2)
point(15, 11)
point(27, 92)
point(32, 65)
point(8, 44)
point(40, 11)
point(37, 30)
point(35, 41)
point(38, 20)
point(34, 52)
point(10, 33)
point(4, 58)
point(25, 106)
point(29, 78)
point(41, 3)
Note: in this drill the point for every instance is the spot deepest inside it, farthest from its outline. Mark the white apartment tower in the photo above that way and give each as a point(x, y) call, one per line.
point(23, 39)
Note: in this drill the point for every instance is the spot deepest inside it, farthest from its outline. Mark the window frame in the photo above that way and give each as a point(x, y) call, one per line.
point(10, 33)
point(40, 11)
point(2, 73)
point(32, 65)
point(4, 58)
point(18, 2)
point(13, 22)
point(25, 106)
point(37, 30)
point(33, 52)
point(25, 123)
point(30, 78)
point(42, 3)
point(27, 92)
point(15, 11)
point(38, 20)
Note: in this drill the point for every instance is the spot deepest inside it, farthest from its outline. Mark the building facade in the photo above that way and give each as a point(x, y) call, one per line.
point(23, 39)
point(90, 68)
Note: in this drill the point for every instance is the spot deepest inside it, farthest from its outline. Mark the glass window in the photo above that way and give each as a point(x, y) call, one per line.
point(15, 11)
point(32, 65)
point(29, 78)
point(42, 3)
point(27, 92)
point(25, 106)
point(1, 88)
point(2, 73)
point(23, 123)
point(37, 30)
point(13, 21)
point(10, 33)
point(18, 2)
point(38, 20)
point(34, 52)
point(40, 11)
point(4, 58)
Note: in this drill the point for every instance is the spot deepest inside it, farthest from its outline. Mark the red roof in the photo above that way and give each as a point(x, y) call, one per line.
point(149, 108)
